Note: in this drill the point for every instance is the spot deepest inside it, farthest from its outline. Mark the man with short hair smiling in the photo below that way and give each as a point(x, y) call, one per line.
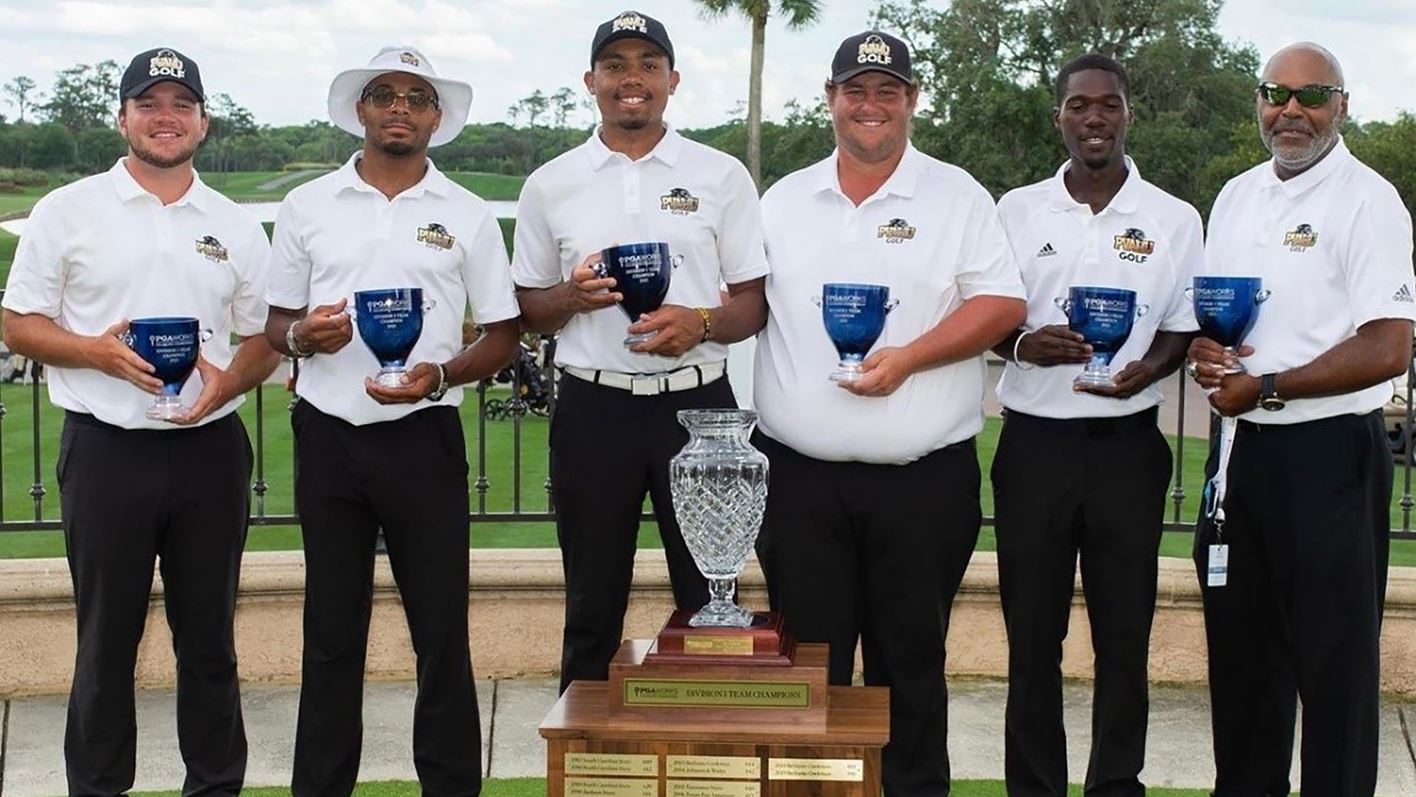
point(373, 456)
point(145, 239)
point(874, 511)
point(1100, 493)
point(1293, 558)
point(615, 426)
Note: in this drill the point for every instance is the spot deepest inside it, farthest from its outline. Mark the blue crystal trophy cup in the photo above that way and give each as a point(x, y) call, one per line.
point(854, 316)
point(641, 272)
point(170, 345)
point(1226, 309)
point(1103, 317)
point(390, 321)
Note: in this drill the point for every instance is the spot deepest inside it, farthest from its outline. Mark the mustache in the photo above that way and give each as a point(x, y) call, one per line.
point(1295, 125)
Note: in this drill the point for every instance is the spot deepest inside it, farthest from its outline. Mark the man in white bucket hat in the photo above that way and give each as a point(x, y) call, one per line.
point(390, 455)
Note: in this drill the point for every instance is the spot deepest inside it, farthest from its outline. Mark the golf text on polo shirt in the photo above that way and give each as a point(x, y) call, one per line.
point(931, 234)
point(104, 249)
point(1145, 240)
point(338, 234)
point(698, 200)
point(1333, 244)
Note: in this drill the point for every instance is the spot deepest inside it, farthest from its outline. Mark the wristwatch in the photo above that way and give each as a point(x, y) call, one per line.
point(1268, 393)
point(441, 390)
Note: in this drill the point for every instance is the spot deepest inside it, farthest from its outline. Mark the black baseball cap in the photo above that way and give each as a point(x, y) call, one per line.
point(631, 25)
point(872, 51)
point(157, 65)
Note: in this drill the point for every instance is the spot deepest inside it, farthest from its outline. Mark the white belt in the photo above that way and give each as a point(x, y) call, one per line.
point(685, 378)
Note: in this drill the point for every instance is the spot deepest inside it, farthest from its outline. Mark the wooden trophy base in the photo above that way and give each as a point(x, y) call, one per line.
point(765, 643)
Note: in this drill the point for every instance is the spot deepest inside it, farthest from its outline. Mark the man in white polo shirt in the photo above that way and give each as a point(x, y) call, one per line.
point(371, 456)
point(615, 426)
point(145, 239)
point(874, 507)
point(1082, 471)
point(1304, 518)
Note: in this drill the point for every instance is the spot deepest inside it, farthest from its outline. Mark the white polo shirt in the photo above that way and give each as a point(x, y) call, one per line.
point(1144, 240)
point(338, 234)
point(931, 234)
point(102, 249)
point(699, 200)
point(1333, 244)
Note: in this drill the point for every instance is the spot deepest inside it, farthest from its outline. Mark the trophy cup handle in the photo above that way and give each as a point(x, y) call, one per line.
point(205, 334)
point(1189, 293)
point(1142, 309)
point(429, 304)
point(891, 305)
point(601, 270)
point(816, 300)
point(127, 337)
point(1065, 305)
point(1262, 296)
point(675, 260)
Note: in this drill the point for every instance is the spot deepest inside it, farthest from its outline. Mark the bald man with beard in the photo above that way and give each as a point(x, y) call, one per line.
point(1292, 554)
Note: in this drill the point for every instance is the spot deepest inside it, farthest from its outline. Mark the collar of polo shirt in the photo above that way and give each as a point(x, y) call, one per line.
point(1301, 183)
point(667, 150)
point(902, 181)
point(1127, 199)
point(434, 181)
point(128, 188)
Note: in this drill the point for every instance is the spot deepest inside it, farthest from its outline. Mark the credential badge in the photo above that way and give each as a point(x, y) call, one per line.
point(895, 231)
point(435, 236)
point(873, 50)
point(166, 64)
point(211, 249)
point(1300, 238)
point(679, 202)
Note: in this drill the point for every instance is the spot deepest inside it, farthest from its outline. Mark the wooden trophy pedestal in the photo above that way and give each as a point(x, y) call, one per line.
point(715, 726)
point(763, 644)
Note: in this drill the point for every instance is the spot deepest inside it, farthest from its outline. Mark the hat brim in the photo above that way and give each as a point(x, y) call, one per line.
point(861, 70)
point(454, 98)
point(147, 84)
point(630, 34)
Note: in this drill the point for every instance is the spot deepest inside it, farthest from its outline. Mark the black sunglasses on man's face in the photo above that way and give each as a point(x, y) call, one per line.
point(1308, 96)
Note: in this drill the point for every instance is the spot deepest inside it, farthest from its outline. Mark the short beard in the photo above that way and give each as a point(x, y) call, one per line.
point(638, 123)
point(160, 161)
point(397, 149)
point(1302, 158)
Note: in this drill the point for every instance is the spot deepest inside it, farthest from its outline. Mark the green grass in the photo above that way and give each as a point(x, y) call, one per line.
point(25, 198)
point(276, 469)
point(489, 186)
point(246, 185)
point(534, 787)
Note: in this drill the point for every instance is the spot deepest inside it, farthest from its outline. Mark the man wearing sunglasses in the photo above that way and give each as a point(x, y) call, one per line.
point(371, 456)
point(1295, 612)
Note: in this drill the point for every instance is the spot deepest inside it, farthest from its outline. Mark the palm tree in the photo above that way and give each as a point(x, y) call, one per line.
point(799, 14)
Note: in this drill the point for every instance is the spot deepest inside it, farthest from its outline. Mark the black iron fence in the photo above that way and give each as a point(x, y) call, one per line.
point(525, 390)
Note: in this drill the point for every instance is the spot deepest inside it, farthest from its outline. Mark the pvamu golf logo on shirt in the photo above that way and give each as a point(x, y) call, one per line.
point(895, 231)
point(678, 202)
point(435, 236)
point(1300, 238)
point(211, 249)
point(1133, 245)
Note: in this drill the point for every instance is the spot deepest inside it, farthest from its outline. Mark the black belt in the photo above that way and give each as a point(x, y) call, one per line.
point(1091, 427)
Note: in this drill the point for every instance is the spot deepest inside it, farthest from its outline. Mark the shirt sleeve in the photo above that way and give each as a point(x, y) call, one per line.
point(36, 280)
point(536, 259)
point(487, 274)
point(986, 266)
point(288, 273)
point(742, 255)
point(1189, 244)
point(248, 305)
point(1378, 260)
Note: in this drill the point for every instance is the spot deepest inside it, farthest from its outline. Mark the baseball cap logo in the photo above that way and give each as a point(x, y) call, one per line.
point(408, 58)
point(631, 21)
point(873, 50)
point(166, 64)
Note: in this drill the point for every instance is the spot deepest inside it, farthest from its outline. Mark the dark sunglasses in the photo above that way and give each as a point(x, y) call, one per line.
point(1308, 96)
point(383, 98)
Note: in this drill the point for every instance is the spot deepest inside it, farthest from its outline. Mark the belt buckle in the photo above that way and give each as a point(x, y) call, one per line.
point(647, 385)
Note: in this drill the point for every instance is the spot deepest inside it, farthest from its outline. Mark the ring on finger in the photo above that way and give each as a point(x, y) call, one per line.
point(1192, 368)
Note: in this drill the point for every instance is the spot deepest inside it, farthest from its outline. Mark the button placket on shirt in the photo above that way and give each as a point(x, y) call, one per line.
point(629, 184)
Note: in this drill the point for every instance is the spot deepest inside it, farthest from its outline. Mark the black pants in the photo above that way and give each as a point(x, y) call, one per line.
point(609, 448)
point(1307, 528)
point(180, 496)
point(875, 553)
point(1094, 488)
point(408, 477)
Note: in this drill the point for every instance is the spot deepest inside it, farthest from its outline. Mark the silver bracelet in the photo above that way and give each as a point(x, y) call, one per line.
point(1021, 365)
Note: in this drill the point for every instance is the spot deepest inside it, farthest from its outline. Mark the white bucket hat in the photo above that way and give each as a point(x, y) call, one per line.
point(454, 96)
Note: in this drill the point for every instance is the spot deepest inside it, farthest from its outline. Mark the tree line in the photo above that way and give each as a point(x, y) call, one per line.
point(985, 67)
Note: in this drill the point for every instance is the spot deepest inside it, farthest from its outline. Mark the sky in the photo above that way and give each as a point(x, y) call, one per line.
point(276, 57)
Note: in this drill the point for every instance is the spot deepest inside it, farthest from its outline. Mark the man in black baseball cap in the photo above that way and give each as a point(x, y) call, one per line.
point(156, 66)
point(631, 25)
point(872, 51)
